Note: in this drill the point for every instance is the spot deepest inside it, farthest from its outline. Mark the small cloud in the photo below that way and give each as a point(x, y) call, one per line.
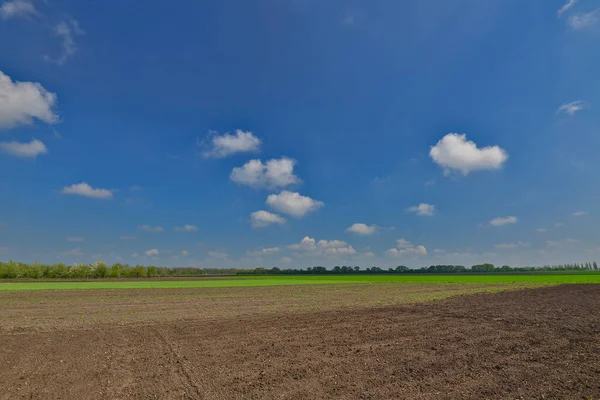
point(25, 150)
point(135, 188)
point(572, 108)
point(362, 229)
point(583, 21)
point(21, 103)
point(559, 243)
point(148, 228)
point(369, 254)
point(293, 203)
point(579, 213)
point(403, 244)
point(501, 221)
point(558, 224)
point(541, 230)
point(455, 152)
point(74, 239)
point(261, 219)
point(423, 209)
point(286, 260)
point(74, 252)
point(263, 252)
point(568, 4)
point(185, 253)
point(17, 8)
point(437, 251)
point(273, 174)
point(332, 243)
point(348, 20)
point(127, 237)
point(307, 243)
point(66, 30)
point(83, 189)
point(227, 144)
point(151, 252)
point(405, 247)
point(430, 182)
point(134, 255)
point(218, 254)
point(512, 245)
point(186, 228)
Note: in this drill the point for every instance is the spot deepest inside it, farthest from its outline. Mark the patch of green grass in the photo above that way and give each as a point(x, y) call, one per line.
point(541, 278)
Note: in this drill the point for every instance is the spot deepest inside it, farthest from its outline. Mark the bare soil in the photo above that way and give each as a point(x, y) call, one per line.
point(528, 344)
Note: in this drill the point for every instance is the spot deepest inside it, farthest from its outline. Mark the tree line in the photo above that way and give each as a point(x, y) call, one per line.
point(17, 270)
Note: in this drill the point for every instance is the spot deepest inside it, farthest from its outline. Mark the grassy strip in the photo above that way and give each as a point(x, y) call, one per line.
point(306, 280)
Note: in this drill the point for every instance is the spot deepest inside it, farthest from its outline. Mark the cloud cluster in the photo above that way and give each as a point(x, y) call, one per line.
point(583, 21)
point(228, 144)
point(186, 228)
point(572, 107)
point(405, 247)
point(85, 190)
point(17, 8)
point(501, 221)
point(25, 150)
point(273, 174)
point(151, 252)
point(423, 209)
point(23, 102)
point(293, 203)
point(455, 152)
point(261, 219)
point(362, 229)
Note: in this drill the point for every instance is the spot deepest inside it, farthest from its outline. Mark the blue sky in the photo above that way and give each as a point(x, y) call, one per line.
point(297, 133)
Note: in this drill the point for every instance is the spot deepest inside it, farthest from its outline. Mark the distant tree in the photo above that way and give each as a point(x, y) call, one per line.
point(595, 266)
point(151, 271)
point(116, 270)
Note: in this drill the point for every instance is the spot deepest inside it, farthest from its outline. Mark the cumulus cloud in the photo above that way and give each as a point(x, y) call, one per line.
point(583, 21)
point(264, 252)
point(17, 8)
point(293, 203)
point(23, 102)
point(572, 107)
point(500, 221)
point(227, 144)
point(405, 247)
point(148, 228)
point(580, 213)
point(512, 245)
point(286, 260)
point(83, 189)
point(261, 219)
point(362, 229)
point(26, 150)
point(66, 31)
point(186, 228)
point(423, 209)
point(151, 252)
point(274, 174)
point(74, 239)
point(307, 243)
point(566, 6)
point(332, 243)
point(455, 152)
point(218, 254)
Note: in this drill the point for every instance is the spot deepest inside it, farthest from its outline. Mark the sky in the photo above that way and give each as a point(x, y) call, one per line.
point(299, 132)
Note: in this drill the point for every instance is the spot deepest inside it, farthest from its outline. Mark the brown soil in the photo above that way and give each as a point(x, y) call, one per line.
point(529, 344)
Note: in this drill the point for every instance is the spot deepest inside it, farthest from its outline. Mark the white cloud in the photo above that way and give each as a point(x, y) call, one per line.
point(17, 8)
point(227, 144)
point(423, 209)
point(286, 260)
point(369, 254)
point(185, 253)
point(541, 230)
point(186, 228)
point(569, 240)
point(261, 219)
point(405, 247)
point(307, 243)
point(500, 221)
point(74, 252)
point(455, 152)
point(151, 252)
point(264, 252)
point(512, 245)
point(18, 149)
point(66, 30)
point(580, 213)
point(23, 102)
point(345, 250)
point(127, 237)
point(218, 254)
point(403, 244)
point(274, 174)
point(83, 189)
point(362, 229)
point(293, 203)
point(568, 4)
point(583, 21)
point(572, 107)
point(438, 251)
point(558, 224)
point(74, 239)
point(562, 242)
point(134, 255)
point(332, 243)
point(148, 228)
point(430, 182)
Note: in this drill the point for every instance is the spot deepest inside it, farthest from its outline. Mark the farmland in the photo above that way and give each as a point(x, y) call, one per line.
point(465, 336)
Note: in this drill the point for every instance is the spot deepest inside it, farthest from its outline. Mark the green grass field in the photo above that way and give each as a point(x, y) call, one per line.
point(546, 278)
